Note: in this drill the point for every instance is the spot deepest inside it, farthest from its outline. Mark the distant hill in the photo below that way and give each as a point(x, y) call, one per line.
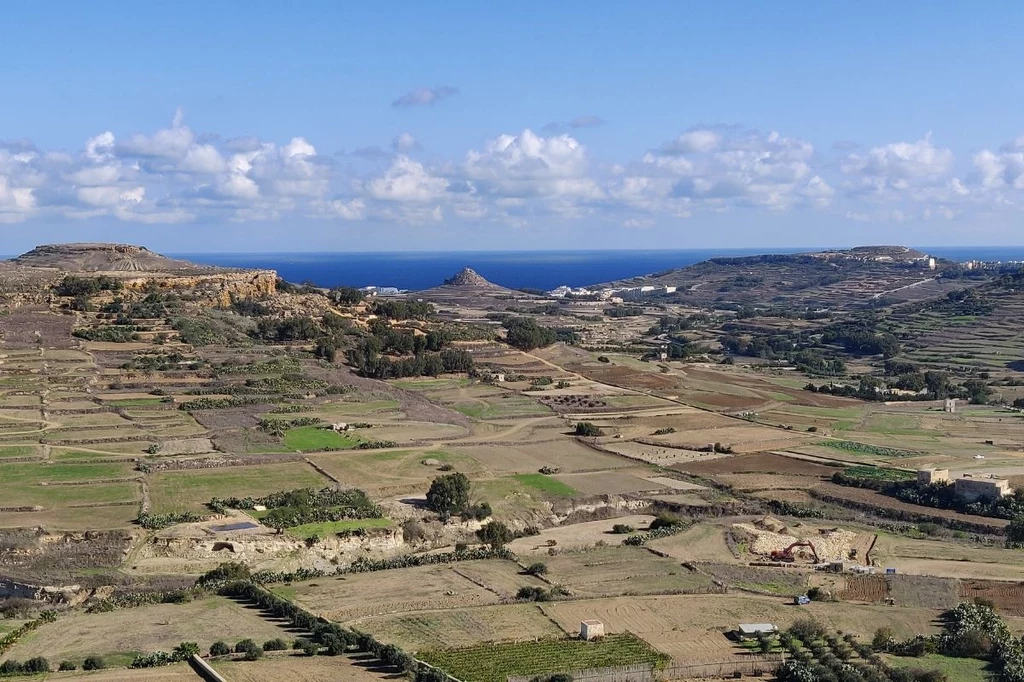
point(831, 279)
point(466, 285)
point(103, 257)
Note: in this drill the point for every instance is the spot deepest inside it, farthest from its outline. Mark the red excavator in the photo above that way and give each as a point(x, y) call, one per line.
point(787, 554)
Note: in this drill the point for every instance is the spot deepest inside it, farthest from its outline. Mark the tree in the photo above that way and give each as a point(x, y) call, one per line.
point(276, 644)
point(1015, 532)
point(496, 534)
point(807, 630)
point(219, 649)
point(883, 639)
point(449, 494)
point(588, 429)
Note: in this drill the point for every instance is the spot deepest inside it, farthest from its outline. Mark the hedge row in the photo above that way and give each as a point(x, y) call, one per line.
point(14, 636)
point(333, 636)
point(363, 565)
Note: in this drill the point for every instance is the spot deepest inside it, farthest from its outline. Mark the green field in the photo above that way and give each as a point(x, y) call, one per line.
point(878, 473)
point(17, 451)
point(546, 484)
point(495, 662)
point(496, 407)
point(958, 669)
point(190, 490)
point(33, 473)
point(310, 438)
point(328, 528)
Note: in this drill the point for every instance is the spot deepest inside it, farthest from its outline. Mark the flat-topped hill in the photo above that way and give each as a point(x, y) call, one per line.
point(101, 257)
point(830, 279)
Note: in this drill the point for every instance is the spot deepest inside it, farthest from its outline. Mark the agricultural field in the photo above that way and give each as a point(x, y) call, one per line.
point(190, 490)
point(495, 662)
point(113, 442)
point(118, 636)
point(296, 668)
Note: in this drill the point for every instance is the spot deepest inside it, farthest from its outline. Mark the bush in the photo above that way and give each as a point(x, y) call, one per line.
point(588, 429)
point(93, 663)
point(666, 520)
point(883, 639)
point(537, 568)
point(245, 645)
point(10, 667)
point(276, 644)
point(219, 649)
point(603, 358)
point(36, 665)
point(807, 630)
point(67, 665)
point(622, 529)
point(496, 534)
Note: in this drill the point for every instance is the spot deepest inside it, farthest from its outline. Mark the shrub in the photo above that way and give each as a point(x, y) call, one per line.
point(496, 534)
point(666, 520)
point(622, 529)
point(219, 649)
point(67, 665)
point(537, 568)
point(245, 645)
point(588, 429)
point(883, 639)
point(603, 358)
point(276, 644)
point(36, 665)
point(807, 630)
point(94, 663)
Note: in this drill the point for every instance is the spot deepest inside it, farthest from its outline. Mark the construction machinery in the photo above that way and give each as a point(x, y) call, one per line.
point(787, 554)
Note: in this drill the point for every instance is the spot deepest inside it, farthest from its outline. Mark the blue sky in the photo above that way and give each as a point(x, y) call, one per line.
point(453, 125)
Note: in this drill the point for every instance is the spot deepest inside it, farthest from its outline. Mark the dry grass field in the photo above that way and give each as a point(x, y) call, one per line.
point(439, 629)
point(404, 590)
point(121, 634)
point(297, 668)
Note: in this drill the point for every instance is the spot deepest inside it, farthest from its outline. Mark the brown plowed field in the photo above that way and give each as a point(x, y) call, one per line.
point(761, 463)
point(868, 588)
point(1007, 597)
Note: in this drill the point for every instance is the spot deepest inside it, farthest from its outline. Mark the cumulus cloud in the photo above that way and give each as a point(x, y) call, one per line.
point(425, 96)
point(177, 175)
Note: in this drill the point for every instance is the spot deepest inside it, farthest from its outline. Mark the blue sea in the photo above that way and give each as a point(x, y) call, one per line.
point(513, 269)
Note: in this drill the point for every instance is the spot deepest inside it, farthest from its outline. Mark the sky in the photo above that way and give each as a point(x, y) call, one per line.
point(327, 126)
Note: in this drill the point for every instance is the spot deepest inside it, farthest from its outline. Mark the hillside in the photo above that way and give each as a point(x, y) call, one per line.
point(467, 286)
point(31, 276)
point(836, 279)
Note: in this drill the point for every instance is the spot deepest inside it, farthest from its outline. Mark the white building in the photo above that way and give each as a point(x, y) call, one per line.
point(591, 629)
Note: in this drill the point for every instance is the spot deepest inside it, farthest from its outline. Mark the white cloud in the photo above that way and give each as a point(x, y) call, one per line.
point(405, 143)
point(407, 180)
point(177, 174)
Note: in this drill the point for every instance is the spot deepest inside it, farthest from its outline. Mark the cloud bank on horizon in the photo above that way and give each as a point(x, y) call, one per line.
point(177, 175)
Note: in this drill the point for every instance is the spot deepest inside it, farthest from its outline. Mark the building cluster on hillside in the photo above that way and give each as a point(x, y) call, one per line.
point(610, 294)
point(969, 487)
point(381, 291)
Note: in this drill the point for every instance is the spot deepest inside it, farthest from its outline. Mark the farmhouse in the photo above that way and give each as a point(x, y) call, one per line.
point(591, 629)
point(929, 476)
point(752, 630)
point(972, 488)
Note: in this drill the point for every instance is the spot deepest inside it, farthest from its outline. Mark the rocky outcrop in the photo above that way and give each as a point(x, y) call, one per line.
point(467, 277)
point(218, 287)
